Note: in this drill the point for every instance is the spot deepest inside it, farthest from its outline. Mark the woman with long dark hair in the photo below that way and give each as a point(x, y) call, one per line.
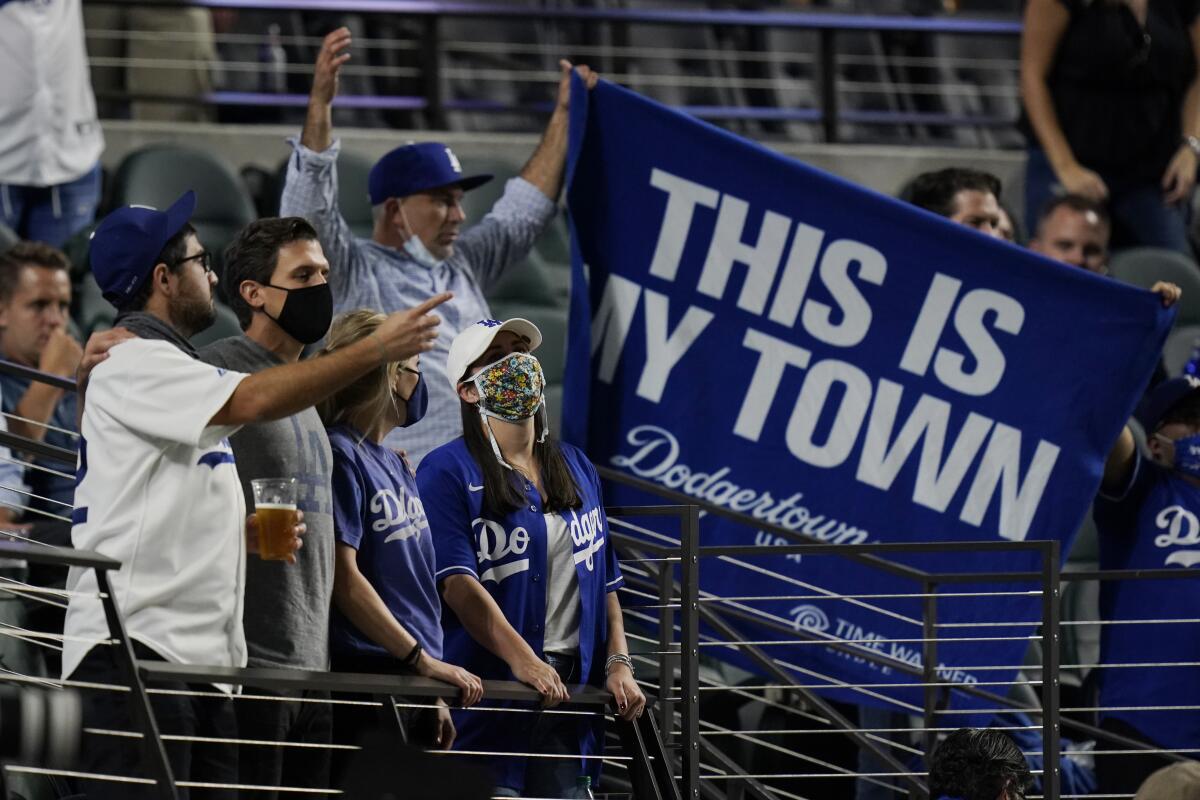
point(525, 568)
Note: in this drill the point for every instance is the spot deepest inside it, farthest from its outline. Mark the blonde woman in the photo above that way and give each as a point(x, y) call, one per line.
point(386, 611)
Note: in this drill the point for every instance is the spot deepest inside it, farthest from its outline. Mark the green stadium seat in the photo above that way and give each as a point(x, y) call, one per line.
point(158, 175)
point(8, 237)
point(1143, 266)
point(1178, 348)
point(225, 325)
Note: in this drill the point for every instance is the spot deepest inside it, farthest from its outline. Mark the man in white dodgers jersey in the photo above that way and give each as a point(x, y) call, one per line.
point(158, 489)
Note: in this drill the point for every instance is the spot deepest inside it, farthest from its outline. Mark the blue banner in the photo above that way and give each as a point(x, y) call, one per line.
point(753, 332)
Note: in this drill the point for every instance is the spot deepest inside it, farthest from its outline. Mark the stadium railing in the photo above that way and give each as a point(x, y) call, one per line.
point(707, 652)
point(837, 79)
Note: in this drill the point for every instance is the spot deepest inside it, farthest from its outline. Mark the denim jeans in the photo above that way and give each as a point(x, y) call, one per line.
point(1140, 217)
point(554, 734)
point(51, 214)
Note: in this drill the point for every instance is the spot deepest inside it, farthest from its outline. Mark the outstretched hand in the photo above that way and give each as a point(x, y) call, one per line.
point(564, 81)
point(333, 55)
point(404, 334)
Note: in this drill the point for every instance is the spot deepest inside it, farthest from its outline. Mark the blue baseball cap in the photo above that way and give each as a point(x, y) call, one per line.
point(416, 168)
point(1163, 398)
point(126, 244)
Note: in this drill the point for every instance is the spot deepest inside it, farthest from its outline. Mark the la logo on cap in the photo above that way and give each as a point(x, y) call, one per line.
point(457, 167)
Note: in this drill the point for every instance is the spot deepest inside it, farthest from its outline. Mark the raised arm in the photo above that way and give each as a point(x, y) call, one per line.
point(1044, 25)
point(483, 619)
point(318, 125)
point(547, 165)
point(288, 389)
point(310, 186)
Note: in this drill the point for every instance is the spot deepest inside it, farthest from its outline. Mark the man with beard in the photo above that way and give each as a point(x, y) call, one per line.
point(158, 490)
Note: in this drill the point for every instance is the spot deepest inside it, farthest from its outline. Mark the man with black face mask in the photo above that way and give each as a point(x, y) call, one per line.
point(276, 276)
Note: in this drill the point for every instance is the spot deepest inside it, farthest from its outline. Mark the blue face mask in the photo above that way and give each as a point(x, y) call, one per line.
point(1187, 455)
point(417, 403)
point(418, 252)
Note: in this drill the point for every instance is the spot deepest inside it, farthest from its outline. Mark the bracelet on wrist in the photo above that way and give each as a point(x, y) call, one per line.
point(1192, 143)
point(414, 656)
point(618, 658)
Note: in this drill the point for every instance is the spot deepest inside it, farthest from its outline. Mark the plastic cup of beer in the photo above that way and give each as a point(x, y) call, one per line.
point(275, 506)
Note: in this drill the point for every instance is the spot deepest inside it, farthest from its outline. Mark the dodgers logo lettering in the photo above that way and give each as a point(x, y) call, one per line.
point(497, 544)
point(1182, 529)
point(403, 514)
point(584, 532)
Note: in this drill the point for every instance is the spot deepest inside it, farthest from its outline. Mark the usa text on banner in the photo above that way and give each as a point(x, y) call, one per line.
point(752, 331)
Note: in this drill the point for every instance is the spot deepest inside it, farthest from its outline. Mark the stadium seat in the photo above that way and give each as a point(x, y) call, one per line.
point(1143, 266)
point(158, 175)
point(224, 326)
point(8, 237)
point(1179, 347)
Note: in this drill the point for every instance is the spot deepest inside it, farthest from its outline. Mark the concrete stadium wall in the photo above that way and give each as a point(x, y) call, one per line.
point(884, 169)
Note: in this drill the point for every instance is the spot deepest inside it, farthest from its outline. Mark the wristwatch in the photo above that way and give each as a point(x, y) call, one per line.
point(1193, 144)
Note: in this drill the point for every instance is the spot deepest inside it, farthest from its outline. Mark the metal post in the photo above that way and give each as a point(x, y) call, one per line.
point(666, 661)
point(1050, 658)
point(143, 716)
point(389, 717)
point(431, 73)
point(929, 664)
point(827, 46)
point(689, 648)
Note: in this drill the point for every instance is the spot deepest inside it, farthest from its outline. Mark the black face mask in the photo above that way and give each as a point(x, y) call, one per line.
point(306, 312)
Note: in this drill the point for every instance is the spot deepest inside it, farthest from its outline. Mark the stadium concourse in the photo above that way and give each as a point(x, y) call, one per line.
point(666, 400)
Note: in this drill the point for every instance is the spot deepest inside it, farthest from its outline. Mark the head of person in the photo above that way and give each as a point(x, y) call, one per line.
point(148, 260)
point(979, 764)
point(416, 193)
point(278, 274)
point(1074, 230)
point(1179, 781)
point(35, 299)
point(967, 196)
point(391, 395)
point(499, 382)
point(1170, 416)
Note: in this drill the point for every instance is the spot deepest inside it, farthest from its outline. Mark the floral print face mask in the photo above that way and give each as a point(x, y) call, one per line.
point(512, 388)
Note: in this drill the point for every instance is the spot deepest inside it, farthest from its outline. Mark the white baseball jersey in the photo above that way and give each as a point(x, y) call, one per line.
point(158, 490)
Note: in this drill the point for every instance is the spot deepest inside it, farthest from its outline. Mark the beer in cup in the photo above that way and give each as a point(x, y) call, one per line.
point(275, 506)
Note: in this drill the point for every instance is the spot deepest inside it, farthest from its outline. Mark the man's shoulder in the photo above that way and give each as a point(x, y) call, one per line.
point(239, 353)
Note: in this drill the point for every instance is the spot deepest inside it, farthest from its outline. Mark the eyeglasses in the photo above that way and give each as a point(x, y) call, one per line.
point(205, 259)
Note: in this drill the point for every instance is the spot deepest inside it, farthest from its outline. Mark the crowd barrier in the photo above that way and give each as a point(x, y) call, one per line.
point(735, 714)
point(482, 66)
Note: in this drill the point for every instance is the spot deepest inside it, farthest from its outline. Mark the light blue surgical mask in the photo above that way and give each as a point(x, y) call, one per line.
point(418, 252)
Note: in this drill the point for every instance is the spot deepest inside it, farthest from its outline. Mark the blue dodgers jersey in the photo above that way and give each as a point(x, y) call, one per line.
point(378, 511)
point(1155, 524)
point(508, 557)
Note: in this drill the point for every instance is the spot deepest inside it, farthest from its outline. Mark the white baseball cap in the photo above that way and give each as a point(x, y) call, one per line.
point(474, 341)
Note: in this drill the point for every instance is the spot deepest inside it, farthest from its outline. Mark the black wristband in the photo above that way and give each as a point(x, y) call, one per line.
point(414, 655)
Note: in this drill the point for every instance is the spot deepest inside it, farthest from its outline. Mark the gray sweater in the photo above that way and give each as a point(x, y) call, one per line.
point(286, 613)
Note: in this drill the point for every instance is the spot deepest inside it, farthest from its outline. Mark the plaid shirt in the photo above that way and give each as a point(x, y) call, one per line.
point(365, 274)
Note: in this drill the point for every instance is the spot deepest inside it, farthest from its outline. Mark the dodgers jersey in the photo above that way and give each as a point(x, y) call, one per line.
point(158, 491)
point(507, 555)
point(1153, 524)
point(378, 511)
